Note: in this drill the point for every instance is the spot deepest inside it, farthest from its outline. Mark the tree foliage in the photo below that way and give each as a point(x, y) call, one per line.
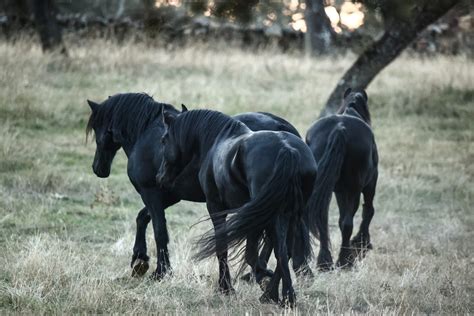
point(404, 20)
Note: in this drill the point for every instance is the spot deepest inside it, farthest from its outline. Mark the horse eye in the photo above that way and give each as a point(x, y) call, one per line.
point(163, 140)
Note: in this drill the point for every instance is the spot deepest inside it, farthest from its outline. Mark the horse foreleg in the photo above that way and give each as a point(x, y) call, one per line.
point(140, 258)
point(154, 203)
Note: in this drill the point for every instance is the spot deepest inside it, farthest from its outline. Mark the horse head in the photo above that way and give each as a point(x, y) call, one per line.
point(106, 146)
point(356, 100)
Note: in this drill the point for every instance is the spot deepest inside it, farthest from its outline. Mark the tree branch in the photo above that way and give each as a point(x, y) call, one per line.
point(398, 35)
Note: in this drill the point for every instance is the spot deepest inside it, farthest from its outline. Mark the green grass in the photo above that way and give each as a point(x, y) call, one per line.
point(66, 236)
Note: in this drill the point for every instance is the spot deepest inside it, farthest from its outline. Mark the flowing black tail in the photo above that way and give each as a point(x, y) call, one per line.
point(329, 169)
point(282, 193)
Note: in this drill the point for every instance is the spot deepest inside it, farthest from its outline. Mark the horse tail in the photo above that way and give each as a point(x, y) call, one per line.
point(329, 170)
point(281, 194)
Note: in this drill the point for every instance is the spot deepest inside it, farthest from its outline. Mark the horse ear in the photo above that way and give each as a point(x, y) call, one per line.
point(93, 105)
point(168, 118)
point(364, 94)
point(183, 108)
point(346, 93)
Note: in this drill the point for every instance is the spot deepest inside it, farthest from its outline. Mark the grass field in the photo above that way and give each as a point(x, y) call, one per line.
point(66, 236)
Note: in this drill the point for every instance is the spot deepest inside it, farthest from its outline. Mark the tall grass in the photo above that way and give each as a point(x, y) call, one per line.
point(66, 236)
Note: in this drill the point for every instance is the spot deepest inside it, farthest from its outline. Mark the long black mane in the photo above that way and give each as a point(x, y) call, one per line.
point(127, 114)
point(205, 125)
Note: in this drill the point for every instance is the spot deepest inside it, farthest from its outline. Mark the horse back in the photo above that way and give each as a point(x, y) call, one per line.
point(263, 121)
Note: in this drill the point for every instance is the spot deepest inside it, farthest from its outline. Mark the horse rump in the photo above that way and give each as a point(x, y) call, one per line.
point(281, 195)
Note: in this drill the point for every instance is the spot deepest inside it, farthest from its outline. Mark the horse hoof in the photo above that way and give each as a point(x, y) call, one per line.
point(264, 283)
point(269, 273)
point(360, 249)
point(262, 275)
point(157, 276)
point(227, 291)
point(325, 262)
point(288, 303)
point(361, 245)
point(325, 267)
point(139, 268)
point(304, 272)
point(344, 264)
point(266, 299)
point(246, 277)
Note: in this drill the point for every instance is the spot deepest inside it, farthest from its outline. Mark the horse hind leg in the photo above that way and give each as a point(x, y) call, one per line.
point(279, 237)
point(219, 222)
point(271, 290)
point(264, 257)
point(259, 272)
point(348, 203)
point(361, 242)
point(288, 293)
point(270, 294)
point(259, 265)
point(300, 246)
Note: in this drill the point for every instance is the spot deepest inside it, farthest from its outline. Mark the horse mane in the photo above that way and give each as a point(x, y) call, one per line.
point(205, 124)
point(127, 114)
point(357, 102)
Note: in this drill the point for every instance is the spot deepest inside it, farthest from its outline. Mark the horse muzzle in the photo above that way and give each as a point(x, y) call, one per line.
point(101, 172)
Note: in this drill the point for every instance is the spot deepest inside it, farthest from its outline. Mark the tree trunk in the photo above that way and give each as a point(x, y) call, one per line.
point(49, 31)
point(319, 33)
point(398, 35)
point(18, 14)
point(148, 6)
point(148, 20)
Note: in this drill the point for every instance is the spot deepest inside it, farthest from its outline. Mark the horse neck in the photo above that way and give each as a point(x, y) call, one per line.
point(360, 114)
point(365, 117)
point(128, 138)
point(127, 141)
point(128, 148)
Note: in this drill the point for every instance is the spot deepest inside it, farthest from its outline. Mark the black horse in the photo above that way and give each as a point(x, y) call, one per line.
point(345, 149)
point(132, 121)
point(261, 179)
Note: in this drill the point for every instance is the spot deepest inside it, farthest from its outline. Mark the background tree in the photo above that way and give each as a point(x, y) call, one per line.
point(319, 35)
point(319, 32)
point(45, 12)
point(18, 12)
point(404, 20)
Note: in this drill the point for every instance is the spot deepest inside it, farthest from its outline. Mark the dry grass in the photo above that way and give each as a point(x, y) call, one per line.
point(66, 236)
